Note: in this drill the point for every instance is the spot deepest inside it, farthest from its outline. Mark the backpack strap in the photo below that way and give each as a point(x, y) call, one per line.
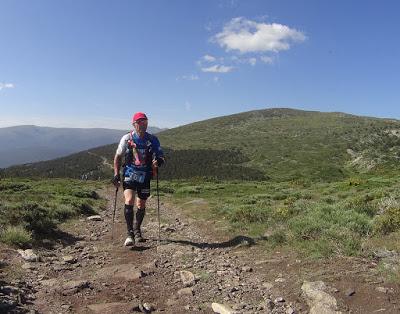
point(131, 143)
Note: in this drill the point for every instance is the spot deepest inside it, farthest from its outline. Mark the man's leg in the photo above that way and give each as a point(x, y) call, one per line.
point(142, 194)
point(141, 210)
point(129, 195)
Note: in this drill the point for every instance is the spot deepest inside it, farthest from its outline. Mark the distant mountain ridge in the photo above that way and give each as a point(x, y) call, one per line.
point(29, 143)
point(271, 144)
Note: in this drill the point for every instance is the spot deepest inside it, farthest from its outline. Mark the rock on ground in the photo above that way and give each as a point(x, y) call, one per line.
point(28, 255)
point(318, 300)
point(221, 308)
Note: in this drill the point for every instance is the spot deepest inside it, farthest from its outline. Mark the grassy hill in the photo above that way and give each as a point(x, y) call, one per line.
point(291, 144)
point(275, 144)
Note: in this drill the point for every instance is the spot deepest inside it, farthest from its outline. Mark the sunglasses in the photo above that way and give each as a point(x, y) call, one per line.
point(141, 121)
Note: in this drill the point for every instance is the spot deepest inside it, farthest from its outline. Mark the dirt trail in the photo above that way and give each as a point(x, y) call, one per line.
point(189, 270)
point(104, 160)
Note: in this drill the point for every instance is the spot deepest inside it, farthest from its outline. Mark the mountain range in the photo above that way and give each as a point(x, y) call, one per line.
point(272, 144)
point(29, 143)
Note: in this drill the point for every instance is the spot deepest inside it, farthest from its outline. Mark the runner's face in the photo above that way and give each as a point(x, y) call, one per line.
point(140, 125)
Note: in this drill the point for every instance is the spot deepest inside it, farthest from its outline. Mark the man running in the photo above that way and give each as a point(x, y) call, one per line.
point(142, 156)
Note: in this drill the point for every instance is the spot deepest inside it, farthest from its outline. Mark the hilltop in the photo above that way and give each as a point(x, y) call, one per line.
point(270, 144)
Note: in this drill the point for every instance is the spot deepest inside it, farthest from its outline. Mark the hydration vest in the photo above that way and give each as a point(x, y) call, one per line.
point(139, 153)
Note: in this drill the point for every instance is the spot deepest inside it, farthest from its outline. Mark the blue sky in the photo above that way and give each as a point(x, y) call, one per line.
point(94, 63)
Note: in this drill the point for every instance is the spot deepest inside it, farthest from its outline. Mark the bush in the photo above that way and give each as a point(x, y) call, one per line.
point(14, 187)
point(278, 238)
point(250, 214)
point(361, 205)
point(330, 226)
point(85, 194)
point(317, 248)
point(43, 204)
point(63, 212)
point(329, 200)
point(189, 190)
point(279, 196)
point(281, 213)
point(36, 218)
point(307, 227)
point(16, 235)
point(85, 207)
point(388, 222)
point(166, 189)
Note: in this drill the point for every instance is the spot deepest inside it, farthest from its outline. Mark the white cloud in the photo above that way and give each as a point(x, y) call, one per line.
point(188, 106)
point(191, 77)
point(218, 69)
point(6, 85)
point(216, 79)
point(267, 59)
point(252, 61)
point(247, 36)
point(209, 58)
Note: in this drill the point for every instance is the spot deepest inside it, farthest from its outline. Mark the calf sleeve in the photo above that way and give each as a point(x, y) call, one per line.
point(129, 218)
point(139, 217)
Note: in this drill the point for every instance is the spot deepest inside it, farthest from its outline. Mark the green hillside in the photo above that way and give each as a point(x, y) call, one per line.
point(291, 144)
point(275, 144)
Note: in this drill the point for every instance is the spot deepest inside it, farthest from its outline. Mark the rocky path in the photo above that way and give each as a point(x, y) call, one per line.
point(192, 270)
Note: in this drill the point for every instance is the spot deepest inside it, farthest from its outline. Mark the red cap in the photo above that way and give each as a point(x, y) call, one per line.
point(138, 116)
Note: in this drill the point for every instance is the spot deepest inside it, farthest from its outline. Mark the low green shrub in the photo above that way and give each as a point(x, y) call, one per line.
point(250, 214)
point(85, 207)
point(167, 189)
point(30, 215)
point(329, 200)
point(62, 212)
point(278, 237)
point(388, 222)
point(36, 218)
point(308, 227)
point(37, 206)
point(85, 194)
point(14, 186)
point(333, 226)
point(361, 204)
point(279, 196)
point(189, 190)
point(316, 248)
point(16, 235)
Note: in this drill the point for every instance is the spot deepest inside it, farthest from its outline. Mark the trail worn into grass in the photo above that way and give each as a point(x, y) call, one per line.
point(193, 267)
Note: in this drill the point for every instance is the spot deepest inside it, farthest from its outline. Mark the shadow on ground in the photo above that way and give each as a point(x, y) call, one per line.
point(238, 240)
point(57, 237)
point(139, 248)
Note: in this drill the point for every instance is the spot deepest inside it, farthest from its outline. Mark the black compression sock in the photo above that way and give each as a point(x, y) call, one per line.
point(129, 218)
point(139, 217)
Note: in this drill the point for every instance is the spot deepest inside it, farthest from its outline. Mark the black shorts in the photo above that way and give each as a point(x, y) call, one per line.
point(142, 189)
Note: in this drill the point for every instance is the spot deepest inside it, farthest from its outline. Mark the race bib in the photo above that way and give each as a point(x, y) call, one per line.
point(137, 176)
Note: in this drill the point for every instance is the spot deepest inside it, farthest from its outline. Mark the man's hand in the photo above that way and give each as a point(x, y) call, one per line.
point(160, 161)
point(116, 180)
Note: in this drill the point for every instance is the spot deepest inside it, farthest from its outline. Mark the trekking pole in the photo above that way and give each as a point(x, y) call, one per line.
point(158, 210)
point(115, 206)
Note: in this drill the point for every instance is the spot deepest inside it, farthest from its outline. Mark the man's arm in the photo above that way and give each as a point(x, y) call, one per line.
point(117, 164)
point(117, 161)
point(159, 158)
